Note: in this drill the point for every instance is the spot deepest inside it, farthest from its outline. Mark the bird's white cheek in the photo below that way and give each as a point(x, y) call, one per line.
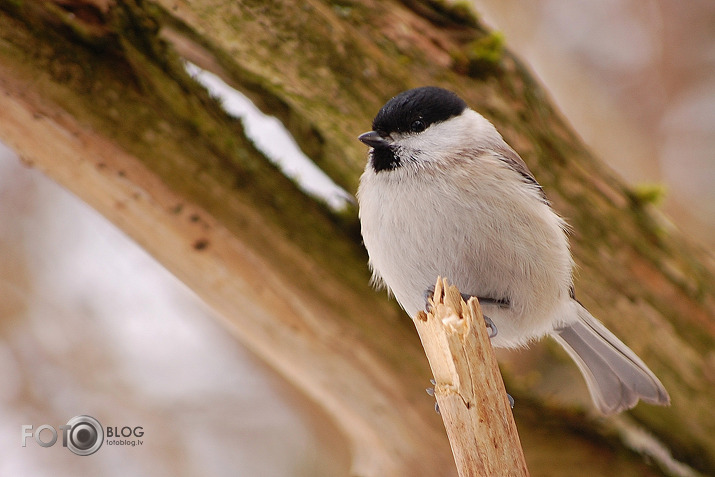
point(436, 144)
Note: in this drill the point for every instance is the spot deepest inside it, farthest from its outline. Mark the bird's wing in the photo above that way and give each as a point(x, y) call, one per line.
point(512, 159)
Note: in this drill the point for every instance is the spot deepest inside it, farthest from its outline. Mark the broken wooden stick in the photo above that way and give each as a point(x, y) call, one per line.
point(469, 388)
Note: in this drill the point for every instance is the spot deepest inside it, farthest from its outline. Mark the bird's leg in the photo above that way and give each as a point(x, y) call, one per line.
point(501, 302)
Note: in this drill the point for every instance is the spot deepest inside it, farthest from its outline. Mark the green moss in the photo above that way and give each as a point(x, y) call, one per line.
point(489, 48)
point(648, 193)
point(484, 55)
point(318, 128)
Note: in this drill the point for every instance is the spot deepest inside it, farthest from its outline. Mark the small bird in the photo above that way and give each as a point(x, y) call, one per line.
point(444, 195)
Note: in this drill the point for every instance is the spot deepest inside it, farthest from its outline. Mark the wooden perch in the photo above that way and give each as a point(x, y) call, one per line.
point(469, 387)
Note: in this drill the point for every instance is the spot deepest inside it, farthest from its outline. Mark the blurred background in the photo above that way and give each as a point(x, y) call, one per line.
point(91, 324)
point(636, 78)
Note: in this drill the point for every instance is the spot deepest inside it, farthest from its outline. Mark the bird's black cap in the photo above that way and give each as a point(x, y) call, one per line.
point(428, 104)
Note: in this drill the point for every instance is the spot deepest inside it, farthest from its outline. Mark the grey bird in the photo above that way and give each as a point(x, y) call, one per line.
point(444, 195)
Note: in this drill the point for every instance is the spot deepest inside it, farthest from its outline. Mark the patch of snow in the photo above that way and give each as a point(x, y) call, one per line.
point(273, 140)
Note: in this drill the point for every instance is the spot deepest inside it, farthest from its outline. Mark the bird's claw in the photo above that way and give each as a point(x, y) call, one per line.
point(430, 391)
point(428, 294)
point(493, 331)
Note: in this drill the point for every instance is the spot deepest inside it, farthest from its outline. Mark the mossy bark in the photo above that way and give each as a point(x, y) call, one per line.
point(325, 68)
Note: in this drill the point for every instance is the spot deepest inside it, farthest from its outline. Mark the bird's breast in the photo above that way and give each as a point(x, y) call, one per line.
point(490, 242)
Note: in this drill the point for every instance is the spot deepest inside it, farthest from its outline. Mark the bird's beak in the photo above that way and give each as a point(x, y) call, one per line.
point(373, 139)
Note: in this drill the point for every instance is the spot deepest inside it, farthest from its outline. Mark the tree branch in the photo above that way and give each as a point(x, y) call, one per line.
point(469, 387)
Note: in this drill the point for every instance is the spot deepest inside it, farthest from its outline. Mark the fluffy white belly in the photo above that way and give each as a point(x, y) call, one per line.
point(489, 244)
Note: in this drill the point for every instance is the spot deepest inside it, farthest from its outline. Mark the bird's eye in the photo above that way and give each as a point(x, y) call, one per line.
point(418, 126)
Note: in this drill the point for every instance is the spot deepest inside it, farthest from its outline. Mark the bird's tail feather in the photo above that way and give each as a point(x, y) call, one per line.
point(615, 376)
